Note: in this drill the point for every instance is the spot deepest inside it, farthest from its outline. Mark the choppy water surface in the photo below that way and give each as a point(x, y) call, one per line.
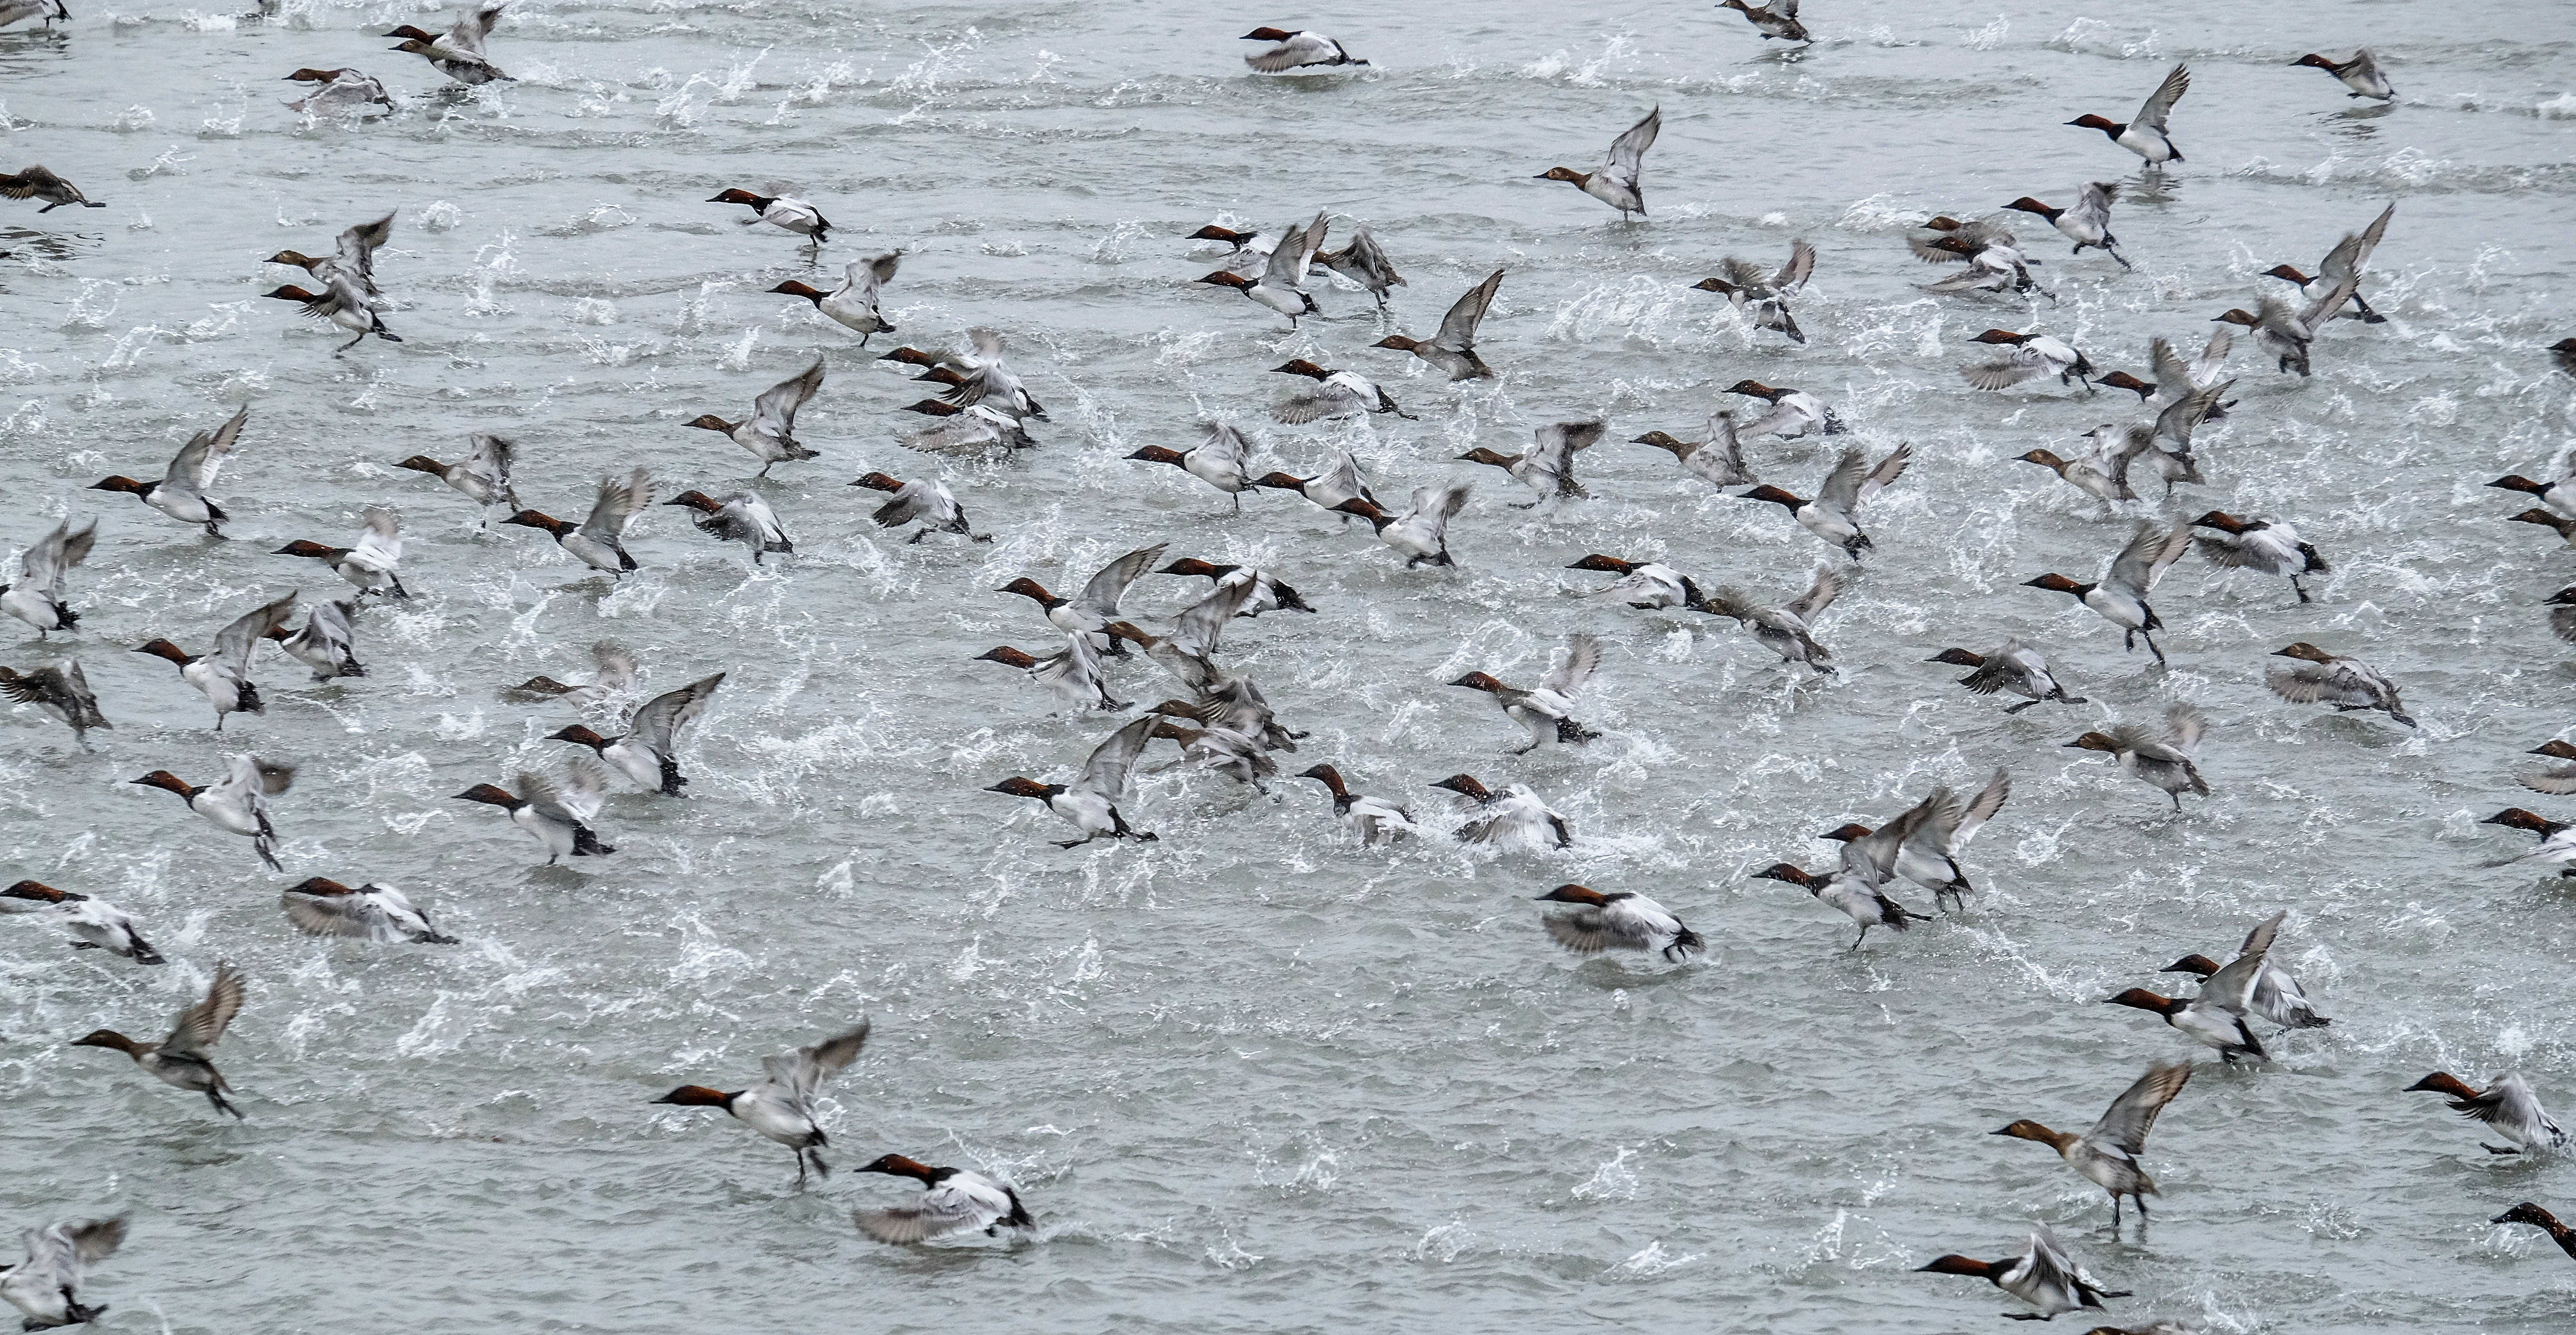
point(1252, 1077)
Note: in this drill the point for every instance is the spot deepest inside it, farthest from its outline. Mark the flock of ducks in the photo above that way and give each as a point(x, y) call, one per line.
point(1218, 719)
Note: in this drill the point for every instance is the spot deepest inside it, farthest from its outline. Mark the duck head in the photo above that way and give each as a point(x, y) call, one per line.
point(1563, 174)
point(167, 782)
point(106, 1038)
point(2097, 741)
point(2304, 650)
point(2520, 819)
point(1223, 279)
point(490, 795)
point(738, 196)
point(1157, 454)
point(1958, 657)
point(1466, 785)
point(2442, 1082)
point(2124, 380)
point(699, 1096)
point(1305, 368)
point(1008, 656)
point(165, 649)
point(2145, 1000)
point(1327, 776)
point(1960, 1265)
point(2199, 966)
point(422, 463)
point(306, 547)
point(898, 1166)
point(2236, 316)
point(1782, 871)
point(1030, 788)
point(1478, 681)
point(696, 500)
point(2001, 336)
point(1755, 389)
point(1609, 564)
point(2058, 584)
point(2043, 458)
point(1574, 894)
point(2026, 204)
point(540, 519)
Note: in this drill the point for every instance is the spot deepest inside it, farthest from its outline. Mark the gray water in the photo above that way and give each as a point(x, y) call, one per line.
point(1254, 1077)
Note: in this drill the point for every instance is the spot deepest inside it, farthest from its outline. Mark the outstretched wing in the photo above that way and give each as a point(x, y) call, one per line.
point(619, 501)
point(203, 456)
point(657, 725)
point(1628, 151)
point(2157, 107)
point(777, 405)
point(1458, 327)
point(1106, 772)
point(1100, 596)
point(202, 1026)
point(1582, 655)
point(1819, 595)
point(2133, 1114)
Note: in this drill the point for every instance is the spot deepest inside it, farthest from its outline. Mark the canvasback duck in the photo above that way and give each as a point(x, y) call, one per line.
point(38, 183)
point(1090, 803)
point(2344, 261)
point(2506, 1104)
point(2217, 1015)
point(370, 912)
point(181, 492)
point(46, 1286)
point(19, 11)
point(326, 643)
point(372, 564)
point(1375, 820)
point(1452, 351)
point(1991, 252)
point(1514, 817)
point(2260, 544)
point(1546, 710)
point(1269, 594)
point(1786, 630)
point(1764, 298)
point(782, 211)
point(2032, 356)
point(2559, 493)
point(742, 517)
point(598, 541)
point(1072, 672)
point(645, 753)
point(2043, 1275)
point(2015, 667)
point(1336, 394)
point(2287, 334)
point(953, 1200)
point(2101, 472)
point(224, 675)
point(780, 1105)
point(2121, 597)
point(612, 672)
point(770, 432)
point(1216, 460)
point(179, 1060)
point(1930, 857)
point(1793, 412)
point(1282, 284)
point(2360, 74)
point(343, 303)
point(927, 500)
point(2557, 840)
point(354, 256)
point(1295, 49)
point(1620, 182)
point(61, 690)
point(1329, 488)
point(1091, 611)
point(1716, 459)
point(38, 595)
point(1856, 887)
point(2163, 763)
point(482, 476)
point(2177, 379)
point(972, 430)
point(238, 803)
point(1645, 585)
point(978, 378)
point(853, 305)
point(94, 924)
point(458, 53)
point(340, 90)
point(1777, 19)
point(1421, 533)
point(2145, 134)
point(2108, 1154)
point(2557, 782)
point(1834, 515)
point(1548, 467)
point(1361, 261)
point(2088, 223)
point(1620, 920)
point(2528, 1213)
point(2347, 684)
point(556, 815)
point(2275, 996)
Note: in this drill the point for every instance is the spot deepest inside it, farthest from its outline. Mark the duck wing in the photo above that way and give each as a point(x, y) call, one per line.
point(804, 1070)
point(619, 502)
point(775, 409)
point(2234, 984)
point(2133, 1114)
point(1458, 327)
point(234, 643)
point(203, 456)
point(1628, 151)
point(202, 1026)
point(2161, 104)
point(357, 250)
point(1100, 597)
point(657, 725)
point(1582, 655)
point(489, 463)
point(1111, 764)
point(1820, 595)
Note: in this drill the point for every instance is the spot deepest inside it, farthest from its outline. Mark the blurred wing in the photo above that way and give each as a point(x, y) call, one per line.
point(1101, 595)
point(2231, 985)
point(1842, 486)
point(333, 915)
point(619, 501)
point(1793, 275)
point(233, 644)
point(1585, 931)
point(779, 402)
point(1819, 596)
point(2133, 1114)
point(1628, 151)
point(1582, 655)
point(1889, 469)
point(659, 722)
point(202, 1026)
point(2184, 724)
point(204, 454)
point(1106, 772)
point(358, 247)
